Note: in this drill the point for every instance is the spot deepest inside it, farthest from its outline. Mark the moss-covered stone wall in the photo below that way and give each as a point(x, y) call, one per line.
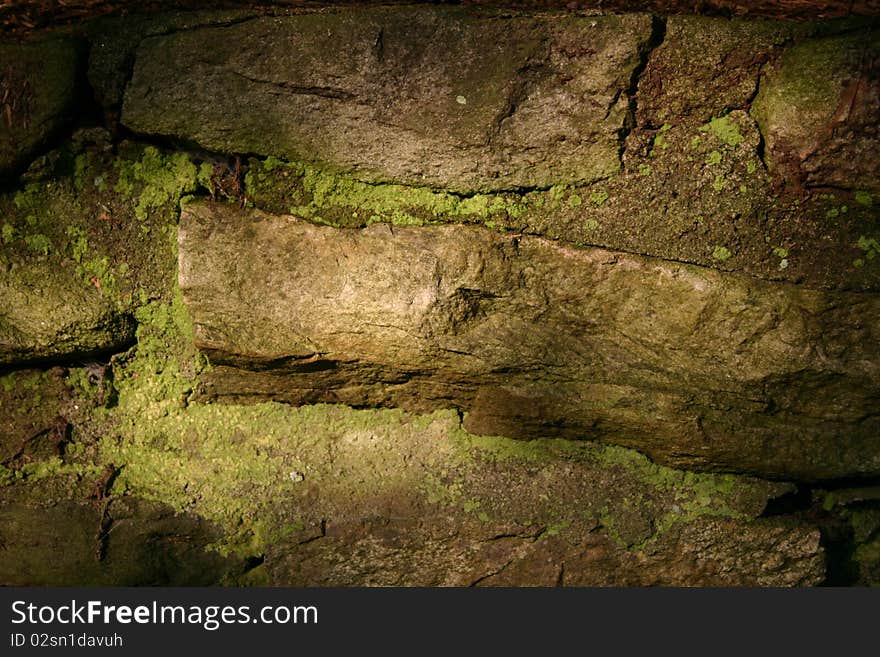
point(372, 296)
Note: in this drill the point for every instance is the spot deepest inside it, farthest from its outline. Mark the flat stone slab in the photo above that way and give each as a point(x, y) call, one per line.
point(695, 367)
point(438, 97)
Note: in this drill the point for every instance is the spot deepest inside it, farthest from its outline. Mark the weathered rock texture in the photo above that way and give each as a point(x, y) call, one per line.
point(532, 338)
point(82, 244)
point(330, 495)
point(819, 111)
point(385, 187)
point(69, 544)
point(26, 15)
point(38, 89)
point(702, 69)
point(430, 97)
point(115, 40)
point(650, 139)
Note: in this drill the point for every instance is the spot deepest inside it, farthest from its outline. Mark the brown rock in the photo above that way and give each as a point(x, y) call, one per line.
point(819, 111)
point(703, 69)
point(695, 367)
point(37, 96)
point(133, 543)
point(425, 96)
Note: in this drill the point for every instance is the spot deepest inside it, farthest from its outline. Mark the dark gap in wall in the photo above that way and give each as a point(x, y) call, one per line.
point(76, 359)
point(83, 112)
point(808, 503)
point(800, 499)
point(658, 34)
point(837, 539)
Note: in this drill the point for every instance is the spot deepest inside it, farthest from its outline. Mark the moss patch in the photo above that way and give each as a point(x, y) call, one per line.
point(725, 130)
point(339, 200)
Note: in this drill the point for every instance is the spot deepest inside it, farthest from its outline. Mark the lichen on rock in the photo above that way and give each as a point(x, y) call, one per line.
point(86, 240)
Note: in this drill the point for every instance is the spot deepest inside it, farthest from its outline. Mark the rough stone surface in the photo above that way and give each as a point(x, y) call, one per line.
point(49, 313)
point(37, 96)
point(819, 111)
point(695, 192)
point(702, 69)
point(849, 519)
point(699, 193)
point(131, 543)
point(328, 495)
point(155, 492)
point(694, 367)
point(32, 415)
point(115, 40)
point(83, 242)
point(434, 97)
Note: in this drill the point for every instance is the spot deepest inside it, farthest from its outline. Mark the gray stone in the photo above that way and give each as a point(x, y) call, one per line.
point(115, 39)
point(425, 96)
point(697, 368)
point(37, 96)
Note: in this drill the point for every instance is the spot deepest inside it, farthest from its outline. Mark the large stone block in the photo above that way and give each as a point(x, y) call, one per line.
point(695, 367)
point(819, 111)
point(463, 101)
point(83, 244)
point(37, 95)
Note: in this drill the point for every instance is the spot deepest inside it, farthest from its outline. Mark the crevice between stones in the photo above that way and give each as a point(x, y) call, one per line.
point(658, 36)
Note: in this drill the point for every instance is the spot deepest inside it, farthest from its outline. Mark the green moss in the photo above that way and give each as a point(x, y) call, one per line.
point(591, 224)
point(38, 243)
point(780, 252)
point(557, 192)
point(721, 253)
point(555, 529)
point(53, 468)
point(157, 179)
point(78, 379)
point(645, 170)
point(574, 201)
point(864, 198)
point(79, 243)
point(339, 200)
point(7, 234)
point(713, 158)
point(660, 142)
point(8, 382)
point(719, 183)
point(871, 247)
point(499, 449)
point(80, 164)
point(724, 130)
point(7, 476)
point(695, 495)
point(599, 198)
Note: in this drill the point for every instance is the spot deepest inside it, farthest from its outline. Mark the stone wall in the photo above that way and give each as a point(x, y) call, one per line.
point(439, 296)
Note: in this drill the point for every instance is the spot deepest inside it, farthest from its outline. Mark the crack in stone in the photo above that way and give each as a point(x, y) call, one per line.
point(658, 36)
point(299, 90)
